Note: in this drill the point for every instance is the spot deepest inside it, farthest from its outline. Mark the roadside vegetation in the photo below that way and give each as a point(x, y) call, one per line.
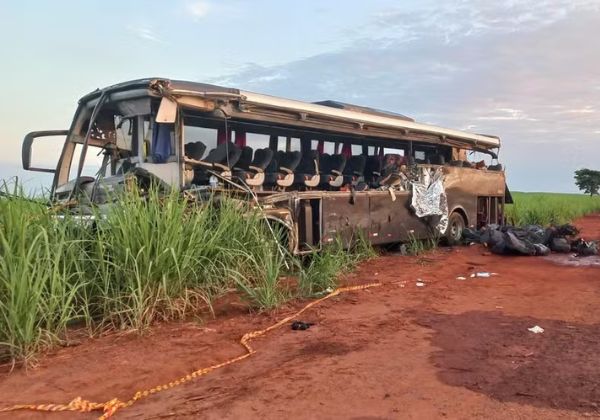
point(549, 208)
point(149, 259)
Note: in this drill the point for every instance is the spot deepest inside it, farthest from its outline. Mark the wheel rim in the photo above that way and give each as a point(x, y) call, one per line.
point(456, 228)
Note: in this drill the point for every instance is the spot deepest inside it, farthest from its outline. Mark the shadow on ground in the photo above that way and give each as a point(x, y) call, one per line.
point(495, 355)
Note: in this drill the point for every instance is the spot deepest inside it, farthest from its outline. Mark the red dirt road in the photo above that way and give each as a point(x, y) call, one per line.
point(452, 348)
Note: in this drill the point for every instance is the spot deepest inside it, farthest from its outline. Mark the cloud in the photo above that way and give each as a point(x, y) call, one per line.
point(507, 114)
point(144, 32)
point(585, 110)
point(453, 20)
point(198, 9)
point(499, 68)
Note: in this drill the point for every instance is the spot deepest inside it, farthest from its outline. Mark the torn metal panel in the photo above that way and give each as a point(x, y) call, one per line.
point(429, 197)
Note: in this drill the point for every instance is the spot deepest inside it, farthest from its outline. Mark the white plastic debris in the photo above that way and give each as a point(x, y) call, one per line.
point(420, 283)
point(536, 329)
point(461, 278)
point(483, 274)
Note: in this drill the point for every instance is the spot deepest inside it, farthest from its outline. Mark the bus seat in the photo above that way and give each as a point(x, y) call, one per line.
point(271, 171)
point(245, 158)
point(220, 159)
point(355, 169)
point(331, 170)
point(438, 159)
point(287, 162)
point(195, 150)
point(307, 172)
point(254, 174)
point(372, 169)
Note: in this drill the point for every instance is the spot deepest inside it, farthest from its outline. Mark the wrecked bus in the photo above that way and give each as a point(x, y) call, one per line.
point(322, 170)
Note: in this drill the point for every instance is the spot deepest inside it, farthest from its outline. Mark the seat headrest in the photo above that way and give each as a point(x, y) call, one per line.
point(262, 158)
point(195, 150)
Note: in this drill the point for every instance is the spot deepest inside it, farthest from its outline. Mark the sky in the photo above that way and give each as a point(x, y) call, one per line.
point(527, 71)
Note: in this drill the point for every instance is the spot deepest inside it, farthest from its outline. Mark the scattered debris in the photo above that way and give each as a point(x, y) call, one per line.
point(585, 249)
point(301, 326)
point(461, 278)
point(536, 329)
point(531, 240)
point(420, 283)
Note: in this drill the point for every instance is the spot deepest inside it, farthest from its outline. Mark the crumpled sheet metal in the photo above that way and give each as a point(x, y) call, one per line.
point(429, 197)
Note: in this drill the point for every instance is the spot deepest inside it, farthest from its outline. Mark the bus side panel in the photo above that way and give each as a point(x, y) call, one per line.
point(344, 216)
point(464, 185)
point(392, 220)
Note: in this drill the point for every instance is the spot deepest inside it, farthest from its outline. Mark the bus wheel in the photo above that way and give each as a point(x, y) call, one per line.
point(456, 224)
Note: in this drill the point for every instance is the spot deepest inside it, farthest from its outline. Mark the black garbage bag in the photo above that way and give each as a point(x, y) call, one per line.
point(535, 234)
point(584, 248)
point(500, 248)
point(565, 230)
point(541, 250)
point(560, 245)
point(518, 246)
point(496, 238)
point(471, 235)
point(549, 233)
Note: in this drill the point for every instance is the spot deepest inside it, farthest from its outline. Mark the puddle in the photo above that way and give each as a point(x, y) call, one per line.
point(571, 260)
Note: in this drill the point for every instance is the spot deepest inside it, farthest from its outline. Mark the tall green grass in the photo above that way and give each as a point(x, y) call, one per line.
point(150, 258)
point(549, 208)
point(41, 274)
point(321, 270)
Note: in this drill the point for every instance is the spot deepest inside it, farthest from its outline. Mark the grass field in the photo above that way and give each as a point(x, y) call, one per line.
point(549, 208)
point(155, 259)
point(152, 259)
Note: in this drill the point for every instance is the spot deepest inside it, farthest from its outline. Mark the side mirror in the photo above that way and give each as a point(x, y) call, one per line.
point(28, 142)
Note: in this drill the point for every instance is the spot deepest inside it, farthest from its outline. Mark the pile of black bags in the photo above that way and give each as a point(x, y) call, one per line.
point(531, 240)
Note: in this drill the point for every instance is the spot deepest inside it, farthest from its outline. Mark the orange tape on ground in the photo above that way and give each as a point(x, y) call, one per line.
point(112, 406)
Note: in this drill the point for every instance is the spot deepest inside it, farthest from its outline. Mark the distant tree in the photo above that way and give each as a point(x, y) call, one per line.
point(588, 181)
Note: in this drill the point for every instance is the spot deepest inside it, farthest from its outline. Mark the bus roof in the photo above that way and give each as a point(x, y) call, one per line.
point(368, 119)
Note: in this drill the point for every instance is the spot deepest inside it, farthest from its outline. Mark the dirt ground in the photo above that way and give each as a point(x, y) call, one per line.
point(451, 348)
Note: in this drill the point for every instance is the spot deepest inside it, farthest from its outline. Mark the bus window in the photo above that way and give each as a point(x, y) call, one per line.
point(124, 134)
point(390, 151)
point(420, 156)
point(257, 141)
point(92, 164)
point(328, 146)
point(356, 149)
point(288, 144)
point(208, 136)
point(482, 159)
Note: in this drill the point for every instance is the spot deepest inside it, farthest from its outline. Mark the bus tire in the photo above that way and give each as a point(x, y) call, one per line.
point(456, 224)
